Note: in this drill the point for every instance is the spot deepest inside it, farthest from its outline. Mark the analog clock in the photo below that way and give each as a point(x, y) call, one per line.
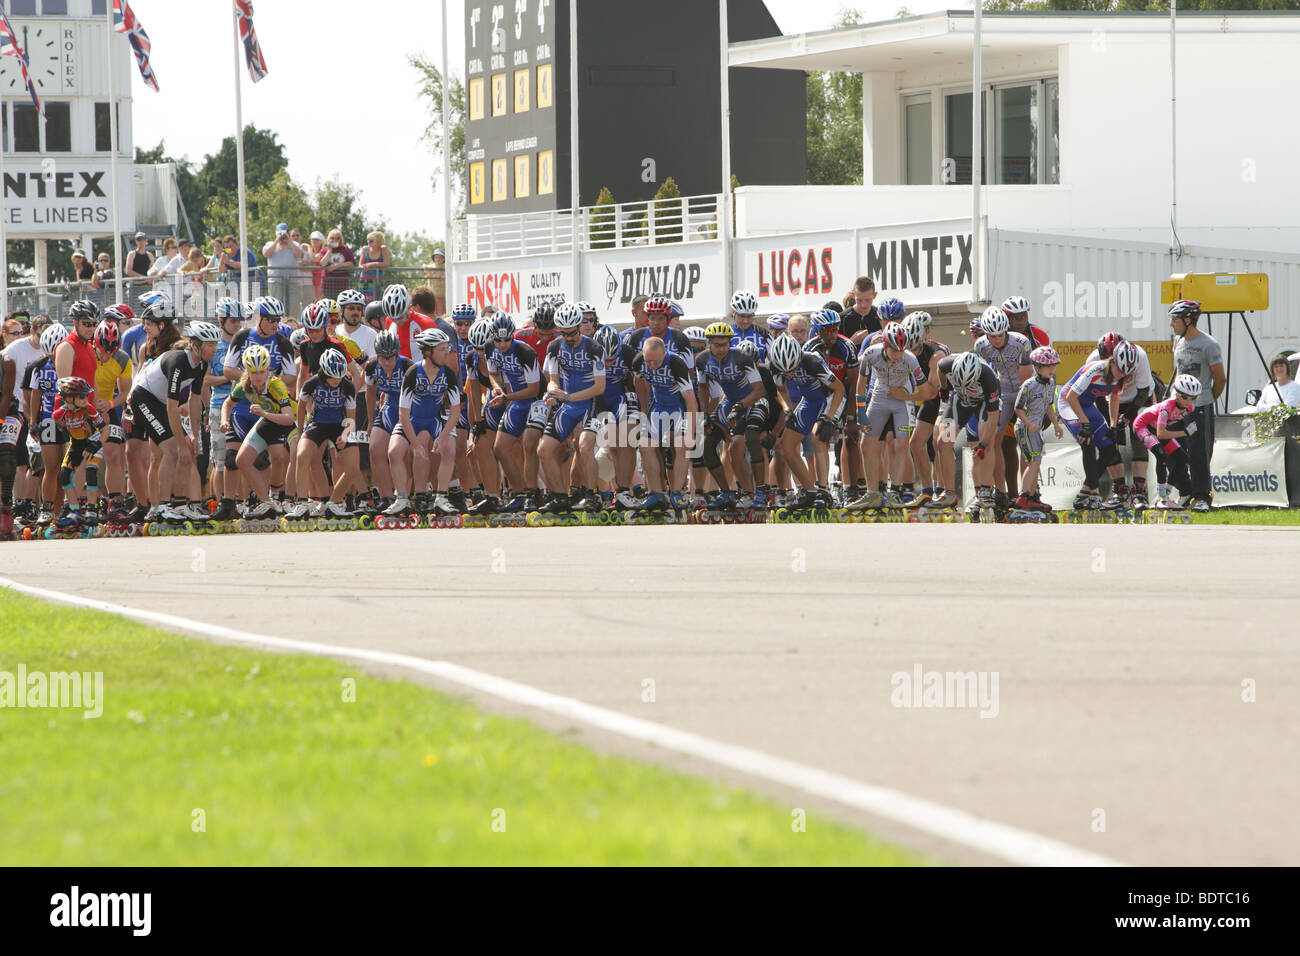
point(41, 42)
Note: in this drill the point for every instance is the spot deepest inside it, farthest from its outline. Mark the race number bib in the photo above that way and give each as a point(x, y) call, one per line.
point(9, 431)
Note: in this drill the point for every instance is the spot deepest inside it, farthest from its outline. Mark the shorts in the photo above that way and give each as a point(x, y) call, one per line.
point(515, 418)
point(218, 449)
point(665, 424)
point(1006, 415)
point(806, 413)
point(929, 411)
point(1101, 434)
point(386, 417)
point(607, 410)
point(320, 433)
point(492, 417)
point(1031, 443)
point(359, 436)
point(568, 418)
point(263, 434)
point(116, 435)
point(51, 433)
point(967, 417)
point(433, 428)
point(885, 414)
point(149, 420)
point(539, 415)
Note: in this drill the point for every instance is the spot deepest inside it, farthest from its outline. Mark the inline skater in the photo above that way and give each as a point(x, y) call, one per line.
point(658, 310)
point(483, 430)
point(516, 378)
point(463, 318)
point(1134, 397)
point(230, 319)
point(893, 372)
point(886, 310)
point(13, 436)
point(737, 411)
point(841, 356)
point(160, 390)
point(1163, 428)
point(315, 322)
point(404, 320)
point(1008, 353)
point(928, 355)
point(1016, 308)
point(613, 415)
point(267, 313)
point(699, 341)
point(590, 320)
point(972, 394)
point(667, 393)
point(352, 307)
point(812, 399)
point(41, 388)
point(384, 375)
point(575, 370)
point(1035, 402)
point(328, 418)
point(76, 414)
point(538, 337)
point(112, 385)
point(1093, 429)
point(743, 306)
point(259, 415)
point(429, 409)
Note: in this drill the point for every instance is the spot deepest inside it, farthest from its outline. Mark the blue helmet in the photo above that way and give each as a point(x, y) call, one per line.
point(825, 319)
point(503, 327)
point(608, 340)
point(464, 311)
point(890, 309)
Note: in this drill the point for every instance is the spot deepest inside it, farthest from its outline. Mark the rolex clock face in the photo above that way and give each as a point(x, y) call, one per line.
point(41, 42)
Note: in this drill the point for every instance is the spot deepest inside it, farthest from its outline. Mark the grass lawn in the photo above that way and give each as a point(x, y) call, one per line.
point(1249, 516)
point(286, 772)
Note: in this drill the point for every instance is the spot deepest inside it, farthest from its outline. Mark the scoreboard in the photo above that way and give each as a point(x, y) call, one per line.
point(511, 116)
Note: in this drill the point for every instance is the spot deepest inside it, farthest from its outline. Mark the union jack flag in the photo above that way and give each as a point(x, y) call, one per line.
point(252, 49)
point(125, 21)
point(9, 47)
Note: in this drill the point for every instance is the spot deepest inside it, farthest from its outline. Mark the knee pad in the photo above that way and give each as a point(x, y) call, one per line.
point(92, 478)
point(754, 446)
point(1108, 455)
point(231, 455)
point(65, 477)
point(709, 457)
point(8, 462)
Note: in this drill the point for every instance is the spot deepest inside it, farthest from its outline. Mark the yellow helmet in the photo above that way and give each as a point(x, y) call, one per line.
point(719, 329)
point(256, 358)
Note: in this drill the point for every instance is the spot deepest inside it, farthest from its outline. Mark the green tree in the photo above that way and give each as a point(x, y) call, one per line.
point(835, 122)
point(667, 212)
point(601, 225)
point(429, 89)
point(280, 200)
point(412, 248)
point(263, 158)
point(337, 205)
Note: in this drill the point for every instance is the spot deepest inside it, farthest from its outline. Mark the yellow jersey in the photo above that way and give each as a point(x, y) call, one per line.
point(107, 374)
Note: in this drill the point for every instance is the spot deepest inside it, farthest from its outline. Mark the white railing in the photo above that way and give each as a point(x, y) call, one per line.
point(653, 222)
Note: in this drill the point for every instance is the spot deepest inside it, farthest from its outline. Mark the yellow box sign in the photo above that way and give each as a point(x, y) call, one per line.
point(545, 172)
point(1218, 291)
point(476, 90)
point(499, 180)
point(545, 91)
point(477, 183)
point(522, 80)
point(1074, 354)
point(523, 177)
point(498, 94)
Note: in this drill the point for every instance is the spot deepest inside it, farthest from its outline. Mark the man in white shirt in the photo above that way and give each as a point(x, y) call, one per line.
point(1283, 390)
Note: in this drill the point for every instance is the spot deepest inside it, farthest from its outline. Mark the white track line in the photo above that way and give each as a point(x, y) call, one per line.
point(995, 839)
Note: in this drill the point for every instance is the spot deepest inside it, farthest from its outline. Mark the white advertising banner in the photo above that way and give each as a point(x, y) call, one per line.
point(516, 286)
point(796, 273)
point(691, 273)
point(57, 196)
point(923, 264)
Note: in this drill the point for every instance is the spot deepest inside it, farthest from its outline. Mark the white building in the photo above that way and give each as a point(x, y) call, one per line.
point(57, 175)
point(1078, 169)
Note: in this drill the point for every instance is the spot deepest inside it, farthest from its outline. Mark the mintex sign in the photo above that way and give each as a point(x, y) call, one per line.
point(928, 263)
point(514, 286)
point(64, 197)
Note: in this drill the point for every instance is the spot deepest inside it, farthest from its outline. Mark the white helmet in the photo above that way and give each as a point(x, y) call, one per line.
point(914, 330)
point(925, 318)
point(480, 333)
point(1016, 304)
point(202, 332)
point(994, 321)
point(965, 371)
point(350, 297)
point(784, 355)
point(333, 364)
point(431, 338)
point(695, 334)
point(396, 301)
point(51, 338)
point(744, 303)
point(568, 316)
point(1125, 358)
point(1188, 385)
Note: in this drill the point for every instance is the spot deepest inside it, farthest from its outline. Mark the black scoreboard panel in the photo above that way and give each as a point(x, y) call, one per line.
point(510, 120)
point(648, 105)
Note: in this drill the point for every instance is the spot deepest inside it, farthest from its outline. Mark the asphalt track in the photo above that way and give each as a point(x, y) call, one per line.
point(1120, 652)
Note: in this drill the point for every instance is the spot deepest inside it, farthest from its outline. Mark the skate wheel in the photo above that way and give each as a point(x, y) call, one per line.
point(534, 519)
point(366, 522)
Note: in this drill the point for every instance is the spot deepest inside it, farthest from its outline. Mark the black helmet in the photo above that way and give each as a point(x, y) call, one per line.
point(83, 310)
point(544, 316)
point(375, 310)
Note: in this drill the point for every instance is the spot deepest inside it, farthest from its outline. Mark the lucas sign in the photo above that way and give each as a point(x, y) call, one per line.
point(64, 197)
point(797, 273)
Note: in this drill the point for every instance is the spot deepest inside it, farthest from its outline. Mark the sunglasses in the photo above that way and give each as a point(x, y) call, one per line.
point(462, 322)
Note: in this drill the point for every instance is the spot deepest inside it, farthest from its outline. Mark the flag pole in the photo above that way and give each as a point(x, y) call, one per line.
point(448, 255)
point(113, 147)
point(4, 243)
point(239, 164)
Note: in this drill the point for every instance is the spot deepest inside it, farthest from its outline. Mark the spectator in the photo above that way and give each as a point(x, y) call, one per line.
point(183, 249)
point(1283, 390)
point(227, 257)
point(313, 258)
point(282, 255)
point(82, 269)
point(374, 258)
point(1198, 354)
point(189, 287)
point(338, 261)
point(436, 276)
point(138, 260)
point(639, 318)
point(104, 276)
point(862, 313)
point(162, 266)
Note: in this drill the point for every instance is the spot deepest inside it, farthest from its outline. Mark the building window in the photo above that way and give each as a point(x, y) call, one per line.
point(98, 7)
point(56, 8)
point(22, 8)
point(917, 159)
point(58, 127)
point(957, 139)
point(103, 128)
point(1015, 141)
point(1052, 134)
point(27, 129)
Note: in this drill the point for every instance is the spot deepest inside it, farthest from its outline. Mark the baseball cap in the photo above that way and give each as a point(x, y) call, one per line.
point(282, 227)
point(317, 234)
point(79, 252)
point(141, 235)
point(439, 252)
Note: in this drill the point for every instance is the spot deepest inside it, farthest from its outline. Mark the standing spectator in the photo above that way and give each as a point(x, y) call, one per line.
point(640, 319)
point(227, 257)
point(1282, 390)
point(163, 264)
point(282, 257)
point(375, 257)
point(862, 313)
point(183, 250)
point(104, 276)
point(436, 276)
point(1197, 354)
point(138, 264)
point(190, 277)
point(338, 261)
point(82, 269)
point(313, 258)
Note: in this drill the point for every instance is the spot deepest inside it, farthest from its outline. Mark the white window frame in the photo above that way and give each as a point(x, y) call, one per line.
point(915, 99)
